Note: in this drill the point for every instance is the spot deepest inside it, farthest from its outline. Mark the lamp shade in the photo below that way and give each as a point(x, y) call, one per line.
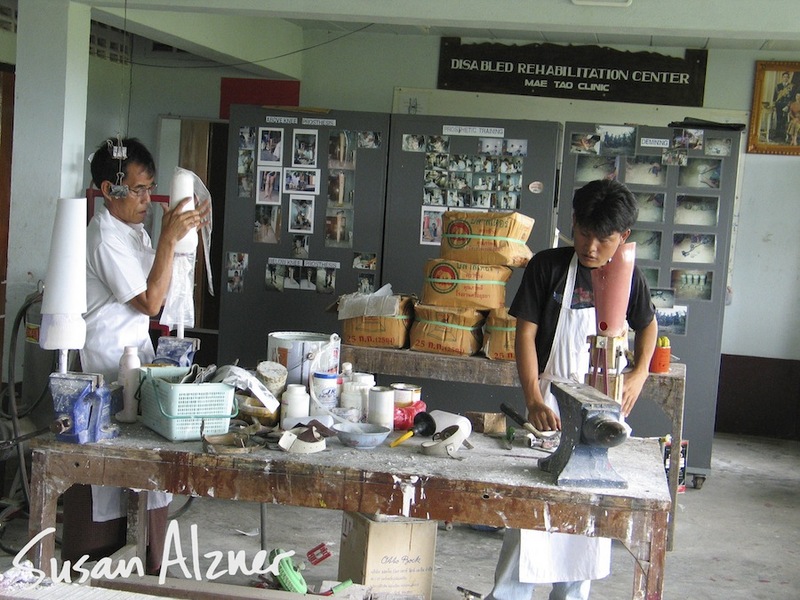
point(64, 299)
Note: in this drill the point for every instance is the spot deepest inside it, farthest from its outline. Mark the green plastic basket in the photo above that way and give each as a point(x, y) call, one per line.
point(178, 410)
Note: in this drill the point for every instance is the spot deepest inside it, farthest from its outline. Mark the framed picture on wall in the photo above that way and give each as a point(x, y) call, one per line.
point(775, 112)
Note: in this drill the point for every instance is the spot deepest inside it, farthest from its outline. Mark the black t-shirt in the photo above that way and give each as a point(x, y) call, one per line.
point(540, 294)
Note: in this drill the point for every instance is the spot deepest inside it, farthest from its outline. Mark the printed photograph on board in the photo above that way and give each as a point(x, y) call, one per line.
point(696, 210)
point(413, 142)
point(718, 146)
point(247, 138)
point(651, 207)
point(617, 140)
point(691, 284)
point(672, 321)
point(584, 143)
point(338, 228)
point(270, 146)
point(300, 181)
point(645, 170)
point(648, 243)
point(269, 185)
point(300, 246)
point(588, 168)
point(662, 297)
point(304, 148)
point(341, 188)
point(301, 214)
point(694, 247)
point(267, 224)
point(431, 225)
point(700, 173)
point(342, 150)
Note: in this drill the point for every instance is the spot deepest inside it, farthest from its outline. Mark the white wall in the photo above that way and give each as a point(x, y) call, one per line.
point(762, 319)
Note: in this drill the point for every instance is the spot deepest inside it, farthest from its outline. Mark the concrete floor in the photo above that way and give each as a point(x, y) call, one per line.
point(736, 538)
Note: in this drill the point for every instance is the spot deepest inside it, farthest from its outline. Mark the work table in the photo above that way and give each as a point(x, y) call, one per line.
point(490, 486)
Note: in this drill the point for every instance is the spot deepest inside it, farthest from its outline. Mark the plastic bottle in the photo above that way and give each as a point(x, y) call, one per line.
point(128, 378)
point(294, 403)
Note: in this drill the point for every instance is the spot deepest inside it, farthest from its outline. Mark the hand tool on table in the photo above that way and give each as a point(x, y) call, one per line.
point(524, 423)
point(424, 424)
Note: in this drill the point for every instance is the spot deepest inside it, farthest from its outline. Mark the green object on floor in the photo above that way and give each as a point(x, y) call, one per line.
point(288, 576)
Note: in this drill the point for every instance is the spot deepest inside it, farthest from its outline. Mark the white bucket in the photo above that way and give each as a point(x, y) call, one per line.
point(303, 353)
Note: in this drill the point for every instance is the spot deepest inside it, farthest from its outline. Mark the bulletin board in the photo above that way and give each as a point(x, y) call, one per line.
point(304, 210)
point(685, 182)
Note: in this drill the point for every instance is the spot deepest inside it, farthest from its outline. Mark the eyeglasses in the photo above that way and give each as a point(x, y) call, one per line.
point(141, 190)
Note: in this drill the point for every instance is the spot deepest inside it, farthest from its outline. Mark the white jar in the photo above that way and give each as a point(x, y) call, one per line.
point(326, 389)
point(128, 378)
point(294, 402)
point(381, 406)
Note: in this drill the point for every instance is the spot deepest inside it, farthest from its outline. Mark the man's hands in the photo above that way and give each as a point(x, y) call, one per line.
point(177, 222)
point(543, 418)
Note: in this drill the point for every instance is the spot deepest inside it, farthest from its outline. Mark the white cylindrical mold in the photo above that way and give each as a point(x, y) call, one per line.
point(183, 187)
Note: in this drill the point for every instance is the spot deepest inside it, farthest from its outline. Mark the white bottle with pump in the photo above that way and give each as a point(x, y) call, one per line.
point(183, 187)
point(128, 378)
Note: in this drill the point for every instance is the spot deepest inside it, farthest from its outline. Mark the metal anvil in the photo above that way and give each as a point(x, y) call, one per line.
point(590, 425)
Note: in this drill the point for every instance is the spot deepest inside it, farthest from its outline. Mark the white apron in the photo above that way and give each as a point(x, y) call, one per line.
point(551, 557)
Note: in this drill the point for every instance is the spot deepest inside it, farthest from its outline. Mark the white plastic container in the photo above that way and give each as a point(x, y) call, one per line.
point(294, 403)
point(326, 389)
point(128, 378)
point(381, 406)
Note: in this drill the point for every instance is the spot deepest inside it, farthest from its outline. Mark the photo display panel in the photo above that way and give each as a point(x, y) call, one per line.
point(684, 182)
point(303, 221)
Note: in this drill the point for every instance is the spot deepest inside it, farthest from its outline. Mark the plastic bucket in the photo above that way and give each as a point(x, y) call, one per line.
point(303, 353)
point(660, 361)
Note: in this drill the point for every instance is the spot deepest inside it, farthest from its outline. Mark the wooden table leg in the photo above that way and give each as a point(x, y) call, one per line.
point(45, 492)
point(650, 554)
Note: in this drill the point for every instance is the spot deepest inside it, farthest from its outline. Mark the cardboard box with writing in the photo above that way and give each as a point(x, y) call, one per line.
point(389, 554)
point(490, 238)
point(456, 283)
point(381, 331)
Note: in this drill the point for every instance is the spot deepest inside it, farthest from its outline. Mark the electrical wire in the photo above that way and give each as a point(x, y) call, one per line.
point(255, 62)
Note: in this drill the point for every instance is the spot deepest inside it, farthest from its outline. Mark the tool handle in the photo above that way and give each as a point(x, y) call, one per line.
point(523, 422)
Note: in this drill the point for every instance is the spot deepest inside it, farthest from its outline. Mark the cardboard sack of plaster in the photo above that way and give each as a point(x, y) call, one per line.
point(388, 330)
point(451, 330)
point(499, 334)
point(456, 283)
point(487, 238)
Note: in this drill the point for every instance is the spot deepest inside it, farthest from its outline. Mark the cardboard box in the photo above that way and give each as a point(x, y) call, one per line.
point(488, 238)
point(386, 331)
point(456, 283)
point(499, 335)
point(389, 554)
point(450, 330)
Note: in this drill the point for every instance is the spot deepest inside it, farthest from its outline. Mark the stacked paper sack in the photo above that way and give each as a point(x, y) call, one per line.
point(463, 301)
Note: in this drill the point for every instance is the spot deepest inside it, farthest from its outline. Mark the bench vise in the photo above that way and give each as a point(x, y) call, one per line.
point(590, 425)
point(83, 407)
